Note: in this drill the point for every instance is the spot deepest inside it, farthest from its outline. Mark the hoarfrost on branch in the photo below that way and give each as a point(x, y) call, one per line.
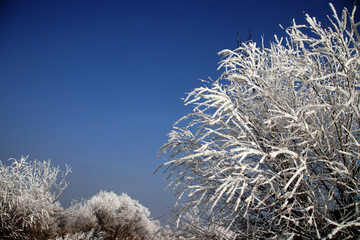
point(272, 147)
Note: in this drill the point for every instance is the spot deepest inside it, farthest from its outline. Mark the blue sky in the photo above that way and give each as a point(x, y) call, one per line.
point(98, 84)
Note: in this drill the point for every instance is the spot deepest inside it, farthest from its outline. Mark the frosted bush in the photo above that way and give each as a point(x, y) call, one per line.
point(272, 148)
point(28, 199)
point(119, 216)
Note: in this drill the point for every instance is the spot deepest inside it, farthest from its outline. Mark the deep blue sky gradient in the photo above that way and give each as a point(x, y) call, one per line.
point(98, 84)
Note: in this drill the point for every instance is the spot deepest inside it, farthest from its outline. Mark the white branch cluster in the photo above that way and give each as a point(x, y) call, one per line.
point(117, 216)
point(272, 148)
point(28, 197)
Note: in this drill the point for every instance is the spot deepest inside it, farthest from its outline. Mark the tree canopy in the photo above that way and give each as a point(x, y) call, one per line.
point(271, 148)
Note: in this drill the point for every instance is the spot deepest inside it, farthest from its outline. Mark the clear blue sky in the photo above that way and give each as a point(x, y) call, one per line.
point(98, 84)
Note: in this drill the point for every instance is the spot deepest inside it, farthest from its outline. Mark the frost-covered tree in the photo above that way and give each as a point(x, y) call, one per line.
point(272, 147)
point(29, 191)
point(116, 216)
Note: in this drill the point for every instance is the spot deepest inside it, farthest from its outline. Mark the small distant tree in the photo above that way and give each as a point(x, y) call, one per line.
point(272, 148)
point(29, 191)
point(116, 216)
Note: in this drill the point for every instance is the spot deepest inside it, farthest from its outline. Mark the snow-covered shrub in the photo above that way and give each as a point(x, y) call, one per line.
point(28, 199)
point(272, 148)
point(119, 216)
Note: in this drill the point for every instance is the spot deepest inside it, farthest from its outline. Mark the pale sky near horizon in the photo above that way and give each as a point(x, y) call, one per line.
point(98, 84)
